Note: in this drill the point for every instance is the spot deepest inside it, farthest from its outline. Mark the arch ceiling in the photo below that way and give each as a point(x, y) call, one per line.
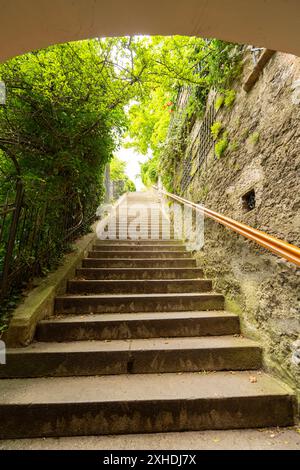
point(33, 24)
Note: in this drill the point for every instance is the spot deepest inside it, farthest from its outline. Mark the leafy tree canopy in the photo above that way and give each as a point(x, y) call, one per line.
point(118, 175)
point(174, 62)
point(117, 169)
point(66, 104)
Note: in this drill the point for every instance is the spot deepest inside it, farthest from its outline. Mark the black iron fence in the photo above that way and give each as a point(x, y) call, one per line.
point(204, 142)
point(34, 235)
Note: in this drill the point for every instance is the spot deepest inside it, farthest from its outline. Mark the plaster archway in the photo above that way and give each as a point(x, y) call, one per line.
point(33, 24)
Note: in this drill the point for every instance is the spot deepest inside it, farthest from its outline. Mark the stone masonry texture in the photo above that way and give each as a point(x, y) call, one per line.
point(264, 154)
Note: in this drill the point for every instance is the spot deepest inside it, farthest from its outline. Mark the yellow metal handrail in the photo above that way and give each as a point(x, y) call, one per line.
point(275, 245)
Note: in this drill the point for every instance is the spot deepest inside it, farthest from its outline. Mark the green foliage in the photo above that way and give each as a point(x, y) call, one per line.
point(149, 171)
point(245, 133)
point(129, 185)
point(254, 138)
point(221, 145)
point(173, 64)
point(216, 129)
point(57, 127)
point(149, 121)
point(117, 169)
point(229, 98)
point(63, 118)
point(117, 175)
point(168, 181)
point(219, 102)
point(233, 146)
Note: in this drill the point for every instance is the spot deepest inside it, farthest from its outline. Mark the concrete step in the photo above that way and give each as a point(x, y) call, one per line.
point(143, 224)
point(139, 254)
point(138, 263)
point(80, 304)
point(139, 273)
point(135, 356)
point(146, 222)
point(132, 226)
point(272, 438)
point(138, 286)
point(155, 234)
point(108, 326)
point(137, 232)
point(154, 247)
point(142, 238)
point(146, 234)
point(139, 243)
point(143, 235)
point(137, 403)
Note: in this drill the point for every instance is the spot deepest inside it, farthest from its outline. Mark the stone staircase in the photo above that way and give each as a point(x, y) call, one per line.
point(139, 343)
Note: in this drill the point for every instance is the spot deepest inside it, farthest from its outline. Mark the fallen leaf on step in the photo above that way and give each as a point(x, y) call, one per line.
point(253, 379)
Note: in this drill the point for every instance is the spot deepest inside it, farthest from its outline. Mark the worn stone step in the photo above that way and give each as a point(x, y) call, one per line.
point(139, 273)
point(155, 234)
point(137, 325)
point(136, 403)
point(154, 247)
point(132, 225)
point(139, 254)
point(137, 226)
point(143, 238)
point(150, 236)
point(124, 220)
point(136, 356)
point(283, 438)
point(79, 304)
point(138, 263)
point(138, 286)
point(139, 243)
point(144, 221)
